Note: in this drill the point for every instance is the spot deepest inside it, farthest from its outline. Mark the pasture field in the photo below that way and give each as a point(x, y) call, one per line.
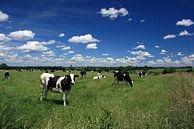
point(155, 102)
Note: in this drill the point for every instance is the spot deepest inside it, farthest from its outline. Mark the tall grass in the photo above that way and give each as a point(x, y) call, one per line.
point(154, 102)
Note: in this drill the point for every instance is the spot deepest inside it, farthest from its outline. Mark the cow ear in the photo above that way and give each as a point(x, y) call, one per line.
point(76, 75)
point(67, 76)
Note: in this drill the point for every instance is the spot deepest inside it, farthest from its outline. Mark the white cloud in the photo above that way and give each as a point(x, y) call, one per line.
point(141, 53)
point(61, 35)
point(157, 46)
point(170, 36)
point(130, 19)
point(71, 52)
point(92, 46)
point(185, 22)
point(105, 54)
point(184, 33)
point(141, 46)
point(31, 46)
point(180, 54)
point(49, 53)
point(88, 38)
point(21, 35)
point(3, 38)
point(3, 16)
point(163, 52)
point(142, 20)
point(64, 47)
point(113, 13)
point(48, 43)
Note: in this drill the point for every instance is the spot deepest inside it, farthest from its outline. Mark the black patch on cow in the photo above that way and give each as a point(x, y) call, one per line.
point(6, 75)
point(83, 74)
point(66, 83)
point(52, 82)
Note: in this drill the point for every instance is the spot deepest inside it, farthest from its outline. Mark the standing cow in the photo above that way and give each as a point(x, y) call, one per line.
point(7, 75)
point(83, 73)
point(58, 84)
point(123, 76)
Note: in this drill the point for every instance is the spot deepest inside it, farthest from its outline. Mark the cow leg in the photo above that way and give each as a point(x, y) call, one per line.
point(41, 92)
point(45, 93)
point(64, 99)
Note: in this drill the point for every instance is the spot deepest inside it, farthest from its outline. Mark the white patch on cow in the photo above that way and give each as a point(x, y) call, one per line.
point(124, 74)
point(72, 78)
point(44, 78)
point(95, 77)
point(58, 83)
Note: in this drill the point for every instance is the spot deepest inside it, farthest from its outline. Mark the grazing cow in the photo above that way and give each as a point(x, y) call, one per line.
point(58, 84)
point(123, 76)
point(7, 75)
point(141, 73)
point(83, 73)
point(99, 77)
point(20, 70)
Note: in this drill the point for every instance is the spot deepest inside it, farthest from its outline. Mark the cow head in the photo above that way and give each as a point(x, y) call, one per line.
point(72, 78)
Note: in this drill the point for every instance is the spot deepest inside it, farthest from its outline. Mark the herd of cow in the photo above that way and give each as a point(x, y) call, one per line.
point(63, 84)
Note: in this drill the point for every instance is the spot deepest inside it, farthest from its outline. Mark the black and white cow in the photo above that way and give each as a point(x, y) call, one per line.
point(83, 73)
point(7, 75)
point(57, 84)
point(99, 77)
point(141, 73)
point(123, 76)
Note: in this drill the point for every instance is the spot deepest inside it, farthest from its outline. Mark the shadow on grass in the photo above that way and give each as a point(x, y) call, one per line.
point(56, 102)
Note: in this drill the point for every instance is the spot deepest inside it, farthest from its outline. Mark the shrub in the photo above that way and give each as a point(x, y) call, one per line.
point(169, 70)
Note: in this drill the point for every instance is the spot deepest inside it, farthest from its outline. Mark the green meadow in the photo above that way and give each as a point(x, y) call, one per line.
point(155, 102)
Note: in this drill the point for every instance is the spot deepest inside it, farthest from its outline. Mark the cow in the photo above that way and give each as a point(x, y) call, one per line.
point(99, 77)
point(123, 76)
point(141, 73)
point(57, 84)
point(83, 73)
point(7, 75)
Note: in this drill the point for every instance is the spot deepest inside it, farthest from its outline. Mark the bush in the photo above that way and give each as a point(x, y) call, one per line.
point(169, 70)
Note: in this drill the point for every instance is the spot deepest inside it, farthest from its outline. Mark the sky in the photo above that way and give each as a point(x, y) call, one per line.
point(97, 32)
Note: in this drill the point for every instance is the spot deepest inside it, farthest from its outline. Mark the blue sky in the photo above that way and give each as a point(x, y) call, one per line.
point(97, 32)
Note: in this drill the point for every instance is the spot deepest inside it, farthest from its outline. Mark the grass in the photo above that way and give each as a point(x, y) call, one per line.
point(157, 101)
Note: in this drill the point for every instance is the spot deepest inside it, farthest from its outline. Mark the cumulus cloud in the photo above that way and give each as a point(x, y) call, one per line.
point(157, 46)
point(169, 36)
point(88, 38)
point(165, 61)
point(180, 54)
point(185, 22)
point(71, 52)
point(3, 38)
point(91, 46)
point(31, 46)
point(130, 19)
point(64, 47)
point(48, 42)
point(141, 46)
point(105, 54)
point(163, 52)
point(142, 20)
point(3, 16)
point(61, 35)
point(21, 35)
point(113, 13)
point(49, 53)
point(184, 33)
point(141, 53)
